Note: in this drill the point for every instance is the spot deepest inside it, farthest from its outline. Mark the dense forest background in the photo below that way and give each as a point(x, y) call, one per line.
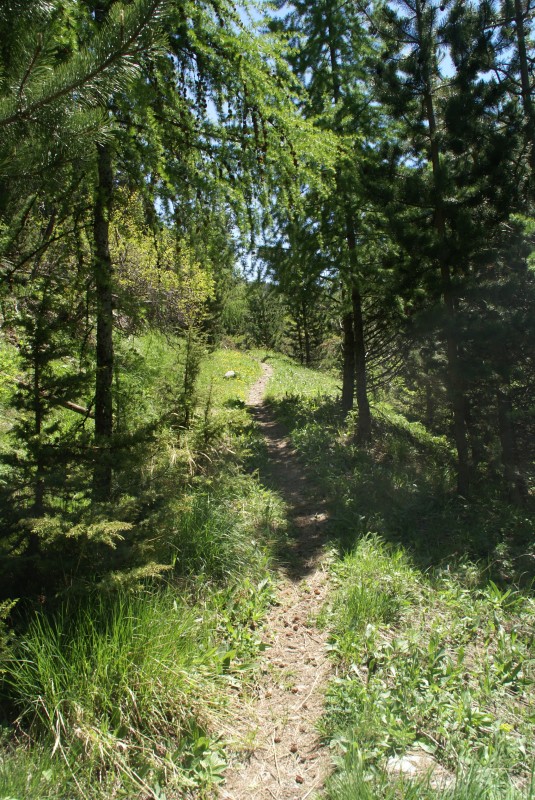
point(351, 184)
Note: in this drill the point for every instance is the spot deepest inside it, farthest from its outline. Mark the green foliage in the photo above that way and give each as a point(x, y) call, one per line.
point(376, 595)
point(403, 488)
point(127, 690)
point(474, 783)
point(159, 277)
point(440, 661)
point(227, 392)
point(9, 365)
point(266, 317)
point(6, 635)
point(433, 638)
point(225, 532)
point(295, 383)
point(53, 79)
point(118, 684)
point(29, 773)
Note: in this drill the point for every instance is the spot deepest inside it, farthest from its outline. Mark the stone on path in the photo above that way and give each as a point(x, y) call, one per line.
point(419, 764)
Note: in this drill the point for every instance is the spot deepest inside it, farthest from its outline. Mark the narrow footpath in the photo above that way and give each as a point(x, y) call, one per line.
point(276, 751)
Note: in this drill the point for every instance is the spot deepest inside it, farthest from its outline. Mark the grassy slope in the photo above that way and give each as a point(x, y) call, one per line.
point(291, 381)
point(433, 638)
point(122, 689)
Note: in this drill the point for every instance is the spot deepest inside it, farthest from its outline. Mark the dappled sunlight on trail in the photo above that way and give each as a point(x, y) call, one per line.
point(277, 750)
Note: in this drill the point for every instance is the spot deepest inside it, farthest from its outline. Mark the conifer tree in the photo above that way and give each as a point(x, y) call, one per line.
point(210, 124)
point(488, 129)
point(330, 51)
point(456, 174)
point(411, 86)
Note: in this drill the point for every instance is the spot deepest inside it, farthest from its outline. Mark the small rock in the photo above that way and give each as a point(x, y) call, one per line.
point(277, 740)
point(230, 374)
point(401, 766)
point(293, 748)
point(414, 764)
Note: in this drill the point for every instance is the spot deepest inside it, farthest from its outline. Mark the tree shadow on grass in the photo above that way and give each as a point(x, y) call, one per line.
point(280, 470)
point(403, 489)
point(234, 402)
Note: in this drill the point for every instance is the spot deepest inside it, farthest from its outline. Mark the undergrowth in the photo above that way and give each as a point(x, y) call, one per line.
point(133, 685)
point(441, 663)
point(432, 622)
point(292, 382)
point(116, 680)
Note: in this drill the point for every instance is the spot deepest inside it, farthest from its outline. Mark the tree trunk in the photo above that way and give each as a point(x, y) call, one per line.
point(456, 391)
point(300, 340)
point(515, 484)
point(348, 374)
point(38, 506)
point(306, 333)
point(527, 103)
point(429, 399)
point(477, 449)
point(103, 276)
point(354, 346)
point(39, 488)
point(364, 429)
point(364, 426)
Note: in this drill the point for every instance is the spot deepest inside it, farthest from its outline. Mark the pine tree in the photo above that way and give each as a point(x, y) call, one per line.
point(489, 119)
point(411, 86)
point(330, 52)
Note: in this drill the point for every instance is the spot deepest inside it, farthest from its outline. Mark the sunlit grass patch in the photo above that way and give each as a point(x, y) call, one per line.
point(224, 390)
point(119, 690)
point(155, 366)
point(115, 681)
point(291, 380)
point(227, 530)
point(33, 773)
point(126, 692)
point(443, 661)
point(353, 781)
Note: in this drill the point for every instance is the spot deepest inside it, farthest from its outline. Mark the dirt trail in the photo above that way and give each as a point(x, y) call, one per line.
point(277, 754)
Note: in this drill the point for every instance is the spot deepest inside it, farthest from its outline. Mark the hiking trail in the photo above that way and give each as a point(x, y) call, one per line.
point(276, 750)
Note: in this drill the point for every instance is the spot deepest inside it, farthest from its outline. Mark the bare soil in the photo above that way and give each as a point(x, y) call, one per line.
point(276, 750)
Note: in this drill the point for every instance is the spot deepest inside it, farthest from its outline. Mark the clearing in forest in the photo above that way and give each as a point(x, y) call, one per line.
point(276, 748)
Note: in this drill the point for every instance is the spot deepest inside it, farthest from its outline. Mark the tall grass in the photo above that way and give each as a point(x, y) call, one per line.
point(33, 773)
point(353, 782)
point(225, 530)
point(117, 682)
point(119, 689)
point(432, 621)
